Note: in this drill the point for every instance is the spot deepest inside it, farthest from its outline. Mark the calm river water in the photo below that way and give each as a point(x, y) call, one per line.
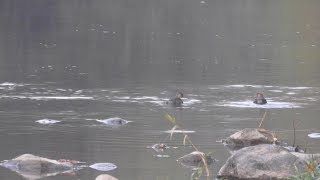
point(77, 61)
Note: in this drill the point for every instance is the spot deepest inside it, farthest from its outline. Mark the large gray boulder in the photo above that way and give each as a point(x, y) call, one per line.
point(35, 167)
point(265, 161)
point(105, 177)
point(248, 137)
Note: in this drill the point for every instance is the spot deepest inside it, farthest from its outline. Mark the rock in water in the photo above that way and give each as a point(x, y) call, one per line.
point(248, 137)
point(194, 160)
point(105, 177)
point(103, 166)
point(34, 167)
point(116, 121)
point(264, 161)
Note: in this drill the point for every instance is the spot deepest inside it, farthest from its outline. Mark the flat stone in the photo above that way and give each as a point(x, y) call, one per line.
point(35, 167)
point(105, 177)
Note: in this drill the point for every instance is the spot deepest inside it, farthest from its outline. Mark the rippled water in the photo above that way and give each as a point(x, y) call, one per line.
point(78, 62)
point(206, 113)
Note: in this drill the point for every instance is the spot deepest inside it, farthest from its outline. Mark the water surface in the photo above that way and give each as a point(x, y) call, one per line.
point(79, 61)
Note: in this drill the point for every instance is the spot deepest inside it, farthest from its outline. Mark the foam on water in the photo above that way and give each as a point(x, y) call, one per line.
point(298, 88)
point(265, 86)
point(49, 97)
point(244, 85)
point(61, 97)
point(47, 121)
point(139, 99)
point(236, 86)
point(162, 155)
point(314, 135)
point(115, 100)
point(122, 97)
point(115, 91)
point(191, 101)
point(250, 104)
point(311, 99)
point(62, 90)
point(11, 84)
point(146, 97)
point(275, 90)
point(160, 103)
point(8, 84)
point(291, 93)
point(179, 131)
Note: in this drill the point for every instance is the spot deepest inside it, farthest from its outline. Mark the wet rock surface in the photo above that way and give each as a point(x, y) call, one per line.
point(105, 177)
point(116, 121)
point(307, 157)
point(264, 161)
point(34, 167)
point(194, 160)
point(248, 137)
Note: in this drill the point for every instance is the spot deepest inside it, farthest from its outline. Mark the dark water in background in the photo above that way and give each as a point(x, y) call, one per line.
point(79, 60)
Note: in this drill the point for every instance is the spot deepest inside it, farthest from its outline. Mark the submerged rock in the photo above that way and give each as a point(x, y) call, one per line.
point(34, 167)
point(116, 121)
point(105, 177)
point(248, 137)
point(194, 160)
point(264, 161)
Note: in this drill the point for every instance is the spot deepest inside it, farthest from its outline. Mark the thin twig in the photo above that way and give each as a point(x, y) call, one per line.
point(189, 140)
point(294, 133)
point(203, 157)
point(264, 116)
point(306, 145)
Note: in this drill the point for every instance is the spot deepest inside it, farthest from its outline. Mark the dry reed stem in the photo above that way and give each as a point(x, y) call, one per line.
point(264, 116)
point(186, 137)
